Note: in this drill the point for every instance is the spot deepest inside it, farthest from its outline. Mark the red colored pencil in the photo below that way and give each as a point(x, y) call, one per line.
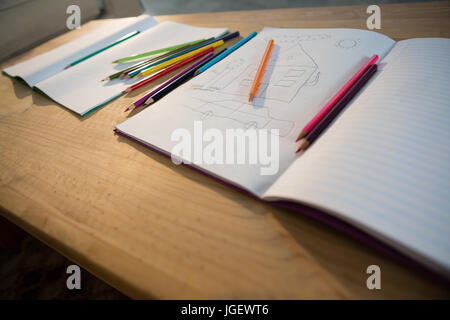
point(334, 99)
point(167, 70)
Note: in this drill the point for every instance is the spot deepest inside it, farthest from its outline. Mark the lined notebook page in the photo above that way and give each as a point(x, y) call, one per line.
point(384, 165)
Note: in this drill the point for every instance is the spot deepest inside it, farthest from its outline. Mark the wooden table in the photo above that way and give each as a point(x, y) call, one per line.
point(156, 230)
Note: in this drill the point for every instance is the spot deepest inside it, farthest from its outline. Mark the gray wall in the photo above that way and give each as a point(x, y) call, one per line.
point(164, 7)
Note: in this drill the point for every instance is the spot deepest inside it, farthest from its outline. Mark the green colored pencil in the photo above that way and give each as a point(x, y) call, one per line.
point(143, 63)
point(150, 53)
point(125, 37)
point(134, 66)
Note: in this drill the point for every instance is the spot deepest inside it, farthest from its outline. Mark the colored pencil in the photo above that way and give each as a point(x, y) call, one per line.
point(228, 36)
point(125, 37)
point(167, 70)
point(153, 52)
point(130, 68)
point(163, 91)
point(179, 58)
point(164, 57)
point(192, 47)
point(141, 64)
point(260, 71)
point(135, 72)
point(181, 74)
point(223, 34)
point(196, 46)
point(334, 99)
point(337, 108)
point(224, 54)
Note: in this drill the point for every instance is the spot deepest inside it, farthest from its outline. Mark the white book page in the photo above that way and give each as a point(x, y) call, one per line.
point(306, 67)
point(43, 66)
point(384, 164)
point(80, 88)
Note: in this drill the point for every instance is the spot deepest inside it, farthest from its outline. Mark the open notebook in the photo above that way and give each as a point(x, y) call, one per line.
point(79, 88)
point(382, 166)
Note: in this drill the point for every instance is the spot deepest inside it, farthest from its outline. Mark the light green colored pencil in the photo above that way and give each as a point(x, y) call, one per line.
point(150, 53)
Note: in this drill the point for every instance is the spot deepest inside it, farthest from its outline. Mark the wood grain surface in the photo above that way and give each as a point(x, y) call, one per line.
point(156, 230)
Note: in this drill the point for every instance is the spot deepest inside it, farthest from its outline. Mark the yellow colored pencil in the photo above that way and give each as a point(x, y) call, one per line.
point(182, 57)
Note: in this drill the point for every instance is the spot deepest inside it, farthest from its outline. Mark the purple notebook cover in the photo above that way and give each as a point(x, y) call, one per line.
point(336, 223)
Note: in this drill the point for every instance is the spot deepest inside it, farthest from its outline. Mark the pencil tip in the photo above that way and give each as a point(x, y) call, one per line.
point(68, 66)
point(300, 135)
point(115, 61)
point(148, 102)
point(250, 97)
point(127, 109)
point(303, 145)
point(196, 73)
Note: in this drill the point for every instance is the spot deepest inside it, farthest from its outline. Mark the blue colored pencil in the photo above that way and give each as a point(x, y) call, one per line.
point(225, 53)
point(228, 36)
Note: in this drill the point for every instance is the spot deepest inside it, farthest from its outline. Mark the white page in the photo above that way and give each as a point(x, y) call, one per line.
point(384, 165)
point(305, 68)
point(45, 65)
point(80, 88)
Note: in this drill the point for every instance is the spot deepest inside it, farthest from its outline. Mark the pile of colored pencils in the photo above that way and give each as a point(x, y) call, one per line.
point(157, 63)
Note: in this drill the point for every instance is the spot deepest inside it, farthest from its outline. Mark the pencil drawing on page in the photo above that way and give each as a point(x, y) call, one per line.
point(222, 92)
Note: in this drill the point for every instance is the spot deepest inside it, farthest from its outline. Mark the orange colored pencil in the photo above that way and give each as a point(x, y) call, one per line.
point(260, 71)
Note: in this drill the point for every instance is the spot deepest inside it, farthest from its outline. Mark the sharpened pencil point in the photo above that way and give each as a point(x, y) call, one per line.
point(116, 61)
point(130, 107)
point(196, 73)
point(300, 135)
point(67, 67)
point(303, 145)
point(250, 97)
point(148, 102)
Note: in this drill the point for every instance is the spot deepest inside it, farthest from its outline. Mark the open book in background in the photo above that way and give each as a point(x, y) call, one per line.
point(79, 88)
point(384, 164)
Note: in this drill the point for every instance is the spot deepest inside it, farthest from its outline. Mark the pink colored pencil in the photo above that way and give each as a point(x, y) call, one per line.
point(312, 123)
